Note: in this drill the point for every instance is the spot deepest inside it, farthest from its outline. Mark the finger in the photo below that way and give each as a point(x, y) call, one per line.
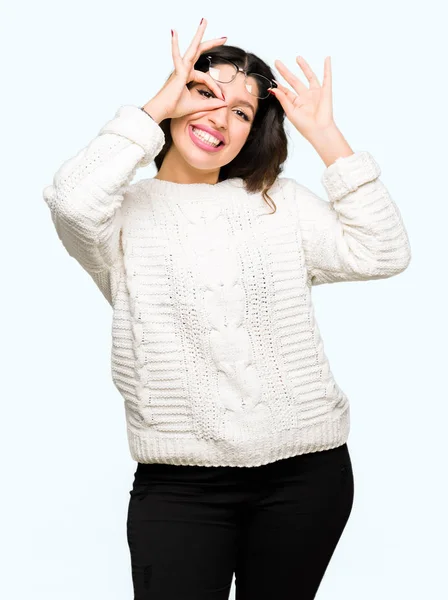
point(209, 44)
point(211, 104)
point(283, 99)
point(327, 80)
point(294, 81)
point(309, 73)
point(205, 46)
point(202, 77)
point(290, 95)
point(177, 58)
point(193, 47)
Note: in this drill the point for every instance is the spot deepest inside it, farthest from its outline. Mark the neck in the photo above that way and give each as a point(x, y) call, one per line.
point(176, 170)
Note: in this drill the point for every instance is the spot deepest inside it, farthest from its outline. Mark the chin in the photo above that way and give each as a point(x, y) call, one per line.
point(199, 163)
point(198, 158)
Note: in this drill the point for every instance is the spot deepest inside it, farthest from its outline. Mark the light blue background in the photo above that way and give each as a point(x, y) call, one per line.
point(66, 468)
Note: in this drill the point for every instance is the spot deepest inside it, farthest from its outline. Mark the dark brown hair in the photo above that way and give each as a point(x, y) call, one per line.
point(260, 160)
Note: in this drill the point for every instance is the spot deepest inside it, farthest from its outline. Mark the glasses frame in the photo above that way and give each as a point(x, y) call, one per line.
point(238, 69)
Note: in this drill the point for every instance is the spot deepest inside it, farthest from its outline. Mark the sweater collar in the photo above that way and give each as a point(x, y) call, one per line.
point(192, 193)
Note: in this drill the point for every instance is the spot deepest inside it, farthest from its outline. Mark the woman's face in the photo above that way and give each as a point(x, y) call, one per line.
point(232, 122)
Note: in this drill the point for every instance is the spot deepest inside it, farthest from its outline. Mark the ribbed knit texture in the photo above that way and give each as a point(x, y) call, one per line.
point(215, 347)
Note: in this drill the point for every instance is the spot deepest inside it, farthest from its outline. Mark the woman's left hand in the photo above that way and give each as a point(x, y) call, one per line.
point(311, 110)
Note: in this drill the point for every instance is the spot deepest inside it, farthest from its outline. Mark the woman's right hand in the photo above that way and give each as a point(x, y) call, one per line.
point(175, 100)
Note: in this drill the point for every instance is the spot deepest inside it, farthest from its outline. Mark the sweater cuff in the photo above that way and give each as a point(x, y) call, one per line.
point(135, 125)
point(348, 173)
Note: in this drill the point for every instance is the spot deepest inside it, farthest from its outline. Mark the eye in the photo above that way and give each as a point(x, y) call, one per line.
point(245, 117)
point(202, 92)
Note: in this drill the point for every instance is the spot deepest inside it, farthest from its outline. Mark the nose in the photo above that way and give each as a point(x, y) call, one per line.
point(219, 117)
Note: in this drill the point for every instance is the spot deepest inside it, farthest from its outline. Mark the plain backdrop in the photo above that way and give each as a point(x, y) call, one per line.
point(66, 469)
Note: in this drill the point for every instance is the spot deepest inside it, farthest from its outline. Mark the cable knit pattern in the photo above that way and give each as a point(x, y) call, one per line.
point(215, 347)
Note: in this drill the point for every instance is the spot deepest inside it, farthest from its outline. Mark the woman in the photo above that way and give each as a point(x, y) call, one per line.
point(233, 415)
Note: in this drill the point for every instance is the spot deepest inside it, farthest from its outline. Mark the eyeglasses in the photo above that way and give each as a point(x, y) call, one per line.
point(225, 71)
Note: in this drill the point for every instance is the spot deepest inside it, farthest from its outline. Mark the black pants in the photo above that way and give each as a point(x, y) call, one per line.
point(276, 526)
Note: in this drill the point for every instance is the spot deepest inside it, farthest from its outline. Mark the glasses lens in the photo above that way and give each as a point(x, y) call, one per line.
point(257, 85)
point(224, 72)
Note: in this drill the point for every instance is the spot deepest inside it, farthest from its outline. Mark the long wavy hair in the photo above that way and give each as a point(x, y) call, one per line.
point(260, 161)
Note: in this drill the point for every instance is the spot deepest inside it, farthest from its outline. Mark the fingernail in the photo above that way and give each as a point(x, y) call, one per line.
point(271, 92)
point(172, 33)
point(201, 21)
point(223, 37)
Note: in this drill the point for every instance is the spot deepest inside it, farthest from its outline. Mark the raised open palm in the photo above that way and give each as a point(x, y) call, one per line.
point(310, 109)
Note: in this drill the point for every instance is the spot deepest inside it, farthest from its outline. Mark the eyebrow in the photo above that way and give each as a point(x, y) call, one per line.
point(245, 103)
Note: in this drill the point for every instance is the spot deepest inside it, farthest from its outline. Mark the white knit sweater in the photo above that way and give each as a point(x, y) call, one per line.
point(215, 347)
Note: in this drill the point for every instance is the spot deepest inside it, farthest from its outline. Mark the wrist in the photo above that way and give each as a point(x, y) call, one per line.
point(330, 144)
point(154, 111)
point(322, 136)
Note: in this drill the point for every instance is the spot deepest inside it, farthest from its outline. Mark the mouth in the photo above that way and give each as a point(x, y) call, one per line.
point(203, 141)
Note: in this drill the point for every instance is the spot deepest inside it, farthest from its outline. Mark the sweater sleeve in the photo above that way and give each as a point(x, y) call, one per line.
point(85, 199)
point(359, 234)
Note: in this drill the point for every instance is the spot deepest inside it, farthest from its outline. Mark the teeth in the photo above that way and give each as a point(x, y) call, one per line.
point(206, 137)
